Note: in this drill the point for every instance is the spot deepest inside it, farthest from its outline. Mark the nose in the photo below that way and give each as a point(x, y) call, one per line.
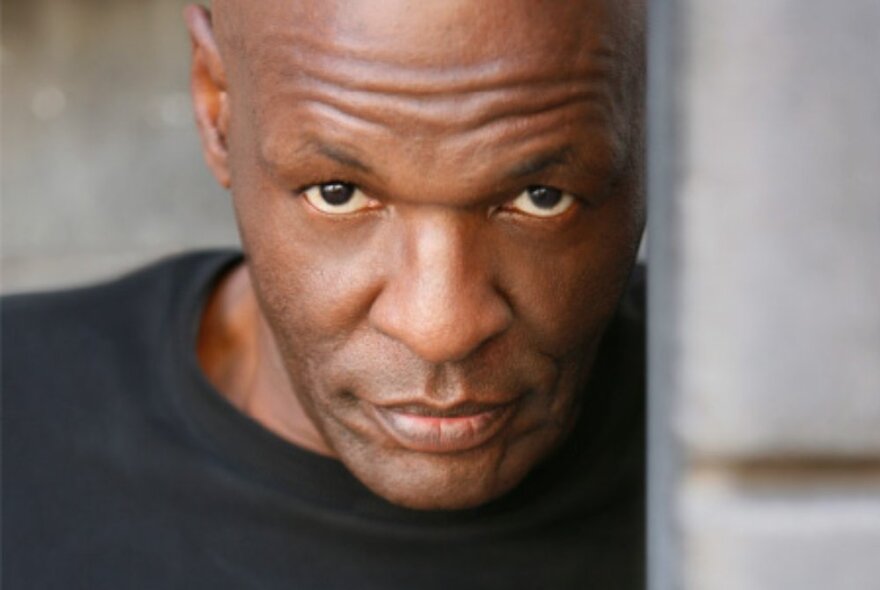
point(440, 300)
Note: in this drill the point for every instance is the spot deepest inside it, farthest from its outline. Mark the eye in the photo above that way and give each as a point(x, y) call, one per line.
point(338, 198)
point(541, 201)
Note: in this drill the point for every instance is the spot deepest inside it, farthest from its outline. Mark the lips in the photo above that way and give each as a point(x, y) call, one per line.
point(426, 429)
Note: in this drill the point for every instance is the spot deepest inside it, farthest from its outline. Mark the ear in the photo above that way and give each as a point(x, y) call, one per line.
point(208, 89)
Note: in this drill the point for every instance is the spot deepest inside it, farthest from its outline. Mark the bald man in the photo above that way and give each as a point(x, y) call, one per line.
point(425, 370)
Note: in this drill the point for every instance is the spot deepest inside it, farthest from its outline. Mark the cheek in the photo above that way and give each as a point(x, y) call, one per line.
point(566, 290)
point(311, 279)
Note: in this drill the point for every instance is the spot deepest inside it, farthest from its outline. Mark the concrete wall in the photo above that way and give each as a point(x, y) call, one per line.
point(765, 294)
point(101, 168)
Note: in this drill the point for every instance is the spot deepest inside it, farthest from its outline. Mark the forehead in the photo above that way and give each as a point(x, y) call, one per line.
point(467, 73)
point(439, 33)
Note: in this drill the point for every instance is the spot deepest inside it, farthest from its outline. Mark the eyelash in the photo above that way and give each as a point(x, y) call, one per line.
point(301, 190)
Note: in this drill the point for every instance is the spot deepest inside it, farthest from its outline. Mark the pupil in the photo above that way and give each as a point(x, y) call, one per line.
point(545, 197)
point(337, 193)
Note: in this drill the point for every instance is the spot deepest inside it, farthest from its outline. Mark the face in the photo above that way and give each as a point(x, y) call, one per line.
point(440, 202)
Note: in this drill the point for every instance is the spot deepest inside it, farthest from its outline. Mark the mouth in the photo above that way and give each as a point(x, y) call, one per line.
point(428, 429)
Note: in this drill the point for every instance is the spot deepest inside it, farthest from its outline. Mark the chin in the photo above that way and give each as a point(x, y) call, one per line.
point(437, 490)
point(451, 481)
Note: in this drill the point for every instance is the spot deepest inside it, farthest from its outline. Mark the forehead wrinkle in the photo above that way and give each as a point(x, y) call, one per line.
point(364, 87)
point(437, 100)
point(601, 148)
point(465, 105)
point(452, 115)
point(320, 35)
point(495, 138)
point(300, 57)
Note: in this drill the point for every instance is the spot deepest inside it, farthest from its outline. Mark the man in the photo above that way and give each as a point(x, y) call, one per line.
point(419, 375)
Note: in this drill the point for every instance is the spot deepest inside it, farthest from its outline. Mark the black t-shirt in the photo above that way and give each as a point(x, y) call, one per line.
point(124, 468)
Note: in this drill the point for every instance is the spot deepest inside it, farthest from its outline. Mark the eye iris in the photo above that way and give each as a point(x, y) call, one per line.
point(545, 197)
point(337, 193)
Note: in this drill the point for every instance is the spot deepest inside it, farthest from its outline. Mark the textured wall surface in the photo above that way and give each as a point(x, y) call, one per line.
point(765, 277)
point(101, 168)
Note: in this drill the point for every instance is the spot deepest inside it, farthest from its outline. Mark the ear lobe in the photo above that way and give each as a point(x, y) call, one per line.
point(208, 89)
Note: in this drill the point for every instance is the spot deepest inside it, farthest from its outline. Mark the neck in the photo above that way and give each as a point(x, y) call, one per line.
point(239, 356)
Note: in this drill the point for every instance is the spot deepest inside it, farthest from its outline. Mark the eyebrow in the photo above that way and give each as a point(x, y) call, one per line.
point(540, 163)
point(529, 167)
point(339, 155)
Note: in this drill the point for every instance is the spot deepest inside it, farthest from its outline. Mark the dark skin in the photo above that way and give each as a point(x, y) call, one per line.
point(440, 203)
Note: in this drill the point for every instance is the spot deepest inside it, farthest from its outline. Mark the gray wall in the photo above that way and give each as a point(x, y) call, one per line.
point(101, 168)
point(765, 294)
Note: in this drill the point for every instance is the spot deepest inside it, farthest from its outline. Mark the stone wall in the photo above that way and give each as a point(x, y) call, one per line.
point(764, 265)
point(101, 168)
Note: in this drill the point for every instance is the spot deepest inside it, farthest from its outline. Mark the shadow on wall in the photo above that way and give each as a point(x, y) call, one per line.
point(101, 167)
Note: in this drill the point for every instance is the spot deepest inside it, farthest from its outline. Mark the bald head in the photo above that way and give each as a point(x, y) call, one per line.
point(442, 43)
point(431, 24)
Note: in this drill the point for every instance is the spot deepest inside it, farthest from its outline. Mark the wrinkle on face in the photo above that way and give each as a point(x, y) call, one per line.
point(449, 103)
point(468, 94)
point(455, 113)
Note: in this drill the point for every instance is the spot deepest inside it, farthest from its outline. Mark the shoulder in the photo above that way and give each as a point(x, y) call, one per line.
point(87, 400)
point(58, 343)
point(142, 286)
point(84, 366)
point(36, 320)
